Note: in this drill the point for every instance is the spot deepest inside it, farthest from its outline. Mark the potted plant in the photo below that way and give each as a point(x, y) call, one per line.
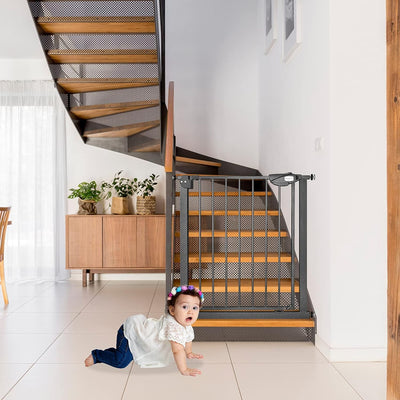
point(88, 195)
point(145, 202)
point(122, 188)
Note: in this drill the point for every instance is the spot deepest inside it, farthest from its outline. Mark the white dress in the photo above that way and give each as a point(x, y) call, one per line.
point(149, 339)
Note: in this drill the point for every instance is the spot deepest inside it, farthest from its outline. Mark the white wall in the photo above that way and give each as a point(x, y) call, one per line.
point(358, 173)
point(14, 69)
point(93, 163)
point(210, 54)
point(325, 91)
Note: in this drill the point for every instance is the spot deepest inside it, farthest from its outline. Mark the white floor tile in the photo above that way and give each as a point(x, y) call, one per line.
point(15, 303)
point(213, 352)
point(27, 289)
point(74, 348)
point(217, 381)
point(121, 301)
point(312, 381)
point(73, 288)
point(96, 322)
point(50, 328)
point(9, 376)
point(70, 382)
point(275, 352)
point(35, 322)
point(23, 348)
point(54, 304)
point(368, 379)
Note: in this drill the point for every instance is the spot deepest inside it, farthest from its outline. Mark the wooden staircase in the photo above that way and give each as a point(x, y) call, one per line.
point(106, 61)
point(104, 58)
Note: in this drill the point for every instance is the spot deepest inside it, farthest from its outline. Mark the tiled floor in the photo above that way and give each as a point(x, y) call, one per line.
point(49, 328)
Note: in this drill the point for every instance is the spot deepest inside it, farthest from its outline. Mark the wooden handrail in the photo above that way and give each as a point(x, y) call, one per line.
point(169, 143)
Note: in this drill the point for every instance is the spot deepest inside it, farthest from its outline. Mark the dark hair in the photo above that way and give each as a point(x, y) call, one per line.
point(188, 290)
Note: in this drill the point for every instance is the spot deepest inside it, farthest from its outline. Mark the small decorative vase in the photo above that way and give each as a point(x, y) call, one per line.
point(119, 205)
point(87, 207)
point(145, 205)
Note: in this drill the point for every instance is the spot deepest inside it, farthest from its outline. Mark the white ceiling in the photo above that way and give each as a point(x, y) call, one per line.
point(18, 37)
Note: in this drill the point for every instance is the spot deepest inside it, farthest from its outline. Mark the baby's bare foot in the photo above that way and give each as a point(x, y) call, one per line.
point(89, 361)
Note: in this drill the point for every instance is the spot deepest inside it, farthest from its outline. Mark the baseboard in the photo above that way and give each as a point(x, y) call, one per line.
point(361, 354)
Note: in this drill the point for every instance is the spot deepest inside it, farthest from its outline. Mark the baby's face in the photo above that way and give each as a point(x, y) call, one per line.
point(186, 309)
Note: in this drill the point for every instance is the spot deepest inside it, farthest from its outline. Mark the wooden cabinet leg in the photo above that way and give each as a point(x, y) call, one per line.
point(91, 277)
point(84, 278)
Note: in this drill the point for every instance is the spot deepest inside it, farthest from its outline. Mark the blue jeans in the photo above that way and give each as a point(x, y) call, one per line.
point(119, 357)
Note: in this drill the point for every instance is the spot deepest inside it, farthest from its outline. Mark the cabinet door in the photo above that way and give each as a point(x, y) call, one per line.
point(119, 241)
point(84, 241)
point(151, 241)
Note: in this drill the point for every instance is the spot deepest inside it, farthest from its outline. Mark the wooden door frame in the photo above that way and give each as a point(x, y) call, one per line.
point(393, 196)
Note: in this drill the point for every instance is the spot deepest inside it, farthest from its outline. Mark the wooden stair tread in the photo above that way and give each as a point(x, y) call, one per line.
point(92, 56)
point(93, 84)
point(97, 24)
point(234, 257)
point(255, 323)
point(230, 212)
point(246, 286)
point(205, 233)
point(146, 148)
point(222, 194)
point(101, 110)
point(122, 131)
point(197, 161)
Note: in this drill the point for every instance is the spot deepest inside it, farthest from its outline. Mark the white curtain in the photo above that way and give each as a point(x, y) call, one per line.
point(33, 179)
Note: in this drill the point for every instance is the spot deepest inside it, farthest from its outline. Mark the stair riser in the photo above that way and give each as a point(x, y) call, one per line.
point(111, 27)
point(259, 245)
point(277, 334)
point(104, 59)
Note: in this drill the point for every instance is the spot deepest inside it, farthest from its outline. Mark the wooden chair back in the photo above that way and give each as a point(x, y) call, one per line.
point(4, 215)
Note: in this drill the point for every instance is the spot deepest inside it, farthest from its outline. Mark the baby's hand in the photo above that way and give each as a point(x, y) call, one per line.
point(194, 355)
point(191, 372)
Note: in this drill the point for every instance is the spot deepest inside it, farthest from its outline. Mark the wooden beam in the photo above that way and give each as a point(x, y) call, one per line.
point(121, 131)
point(197, 161)
point(91, 56)
point(217, 233)
point(228, 194)
point(136, 25)
point(194, 213)
point(101, 110)
point(151, 146)
point(246, 285)
point(393, 195)
point(94, 85)
point(169, 141)
point(254, 323)
point(234, 257)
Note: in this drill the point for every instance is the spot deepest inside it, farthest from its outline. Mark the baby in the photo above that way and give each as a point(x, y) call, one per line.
point(152, 343)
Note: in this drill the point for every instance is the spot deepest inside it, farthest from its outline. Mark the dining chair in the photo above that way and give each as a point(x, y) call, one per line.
point(4, 214)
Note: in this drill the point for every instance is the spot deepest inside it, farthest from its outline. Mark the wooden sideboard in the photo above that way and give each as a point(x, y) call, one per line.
point(115, 243)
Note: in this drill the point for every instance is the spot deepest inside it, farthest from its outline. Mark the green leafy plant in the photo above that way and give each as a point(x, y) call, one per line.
point(86, 191)
point(147, 186)
point(122, 187)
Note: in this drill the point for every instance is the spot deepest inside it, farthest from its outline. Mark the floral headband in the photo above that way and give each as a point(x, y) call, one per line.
point(175, 290)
